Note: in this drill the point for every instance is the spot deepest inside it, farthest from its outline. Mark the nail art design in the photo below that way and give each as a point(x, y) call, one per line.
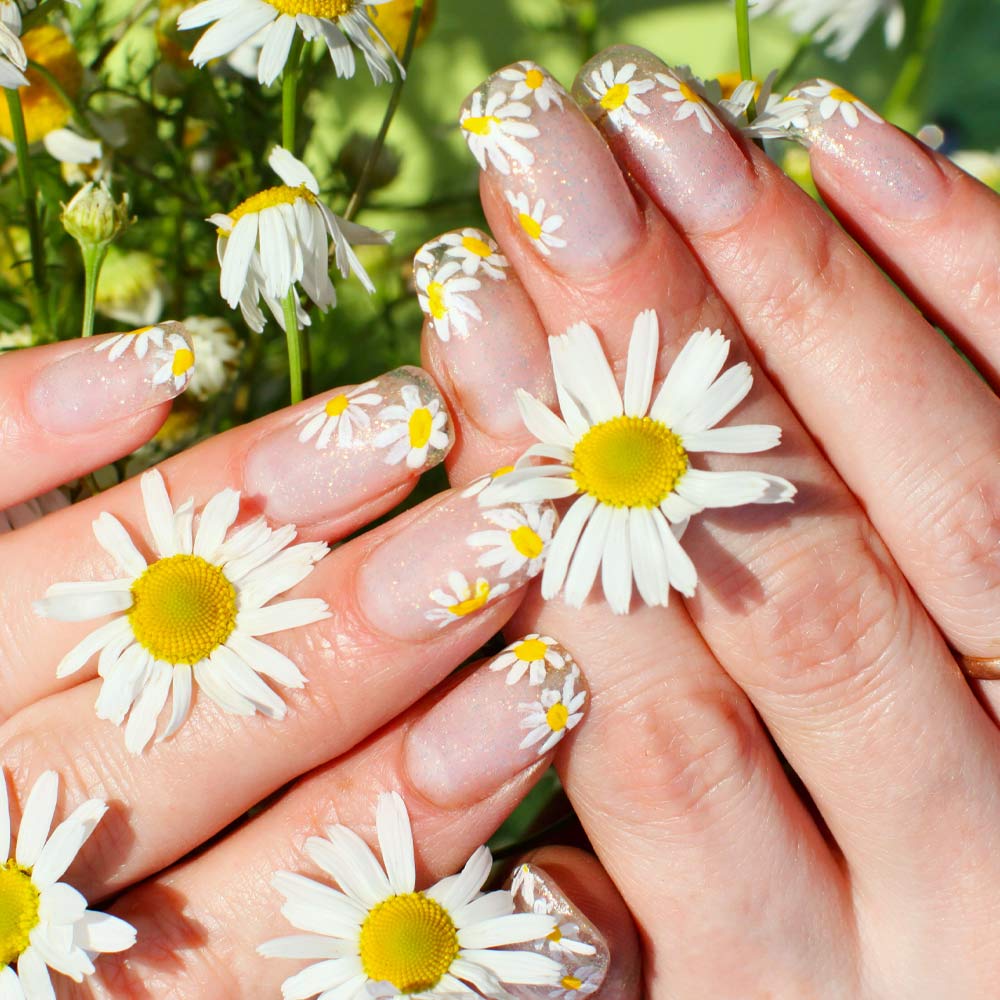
point(533, 221)
point(415, 427)
point(617, 92)
point(177, 363)
point(519, 543)
point(475, 251)
point(463, 598)
point(828, 100)
point(565, 938)
point(535, 655)
point(139, 340)
point(478, 485)
point(494, 126)
point(684, 89)
point(341, 413)
point(531, 81)
point(580, 983)
point(553, 714)
point(442, 294)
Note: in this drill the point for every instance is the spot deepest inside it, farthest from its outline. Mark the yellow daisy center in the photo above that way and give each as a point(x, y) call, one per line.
point(614, 97)
point(435, 300)
point(629, 462)
point(571, 983)
point(689, 94)
point(533, 79)
point(477, 246)
point(481, 125)
point(479, 597)
point(314, 8)
point(527, 542)
point(280, 195)
point(336, 405)
point(19, 904)
point(183, 361)
point(409, 941)
point(556, 936)
point(531, 226)
point(421, 425)
point(530, 649)
point(557, 717)
point(839, 94)
point(183, 608)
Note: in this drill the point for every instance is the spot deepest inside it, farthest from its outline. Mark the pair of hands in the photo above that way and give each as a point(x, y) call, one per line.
point(824, 628)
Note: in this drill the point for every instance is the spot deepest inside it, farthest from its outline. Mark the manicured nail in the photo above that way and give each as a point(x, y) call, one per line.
point(531, 138)
point(493, 342)
point(450, 561)
point(659, 123)
point(350, 445)
point(110, 377)
point(576, 943)
point(884, 168)
point(515, 725)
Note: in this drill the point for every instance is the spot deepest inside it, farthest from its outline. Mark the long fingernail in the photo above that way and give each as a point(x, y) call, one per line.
point(485, 732)
point(562, 185)
point(658, 122)
point(493, 340)
point(576, 943)
point(348, 446)
point(450, 562)
point(886, 169)
point(107, 378)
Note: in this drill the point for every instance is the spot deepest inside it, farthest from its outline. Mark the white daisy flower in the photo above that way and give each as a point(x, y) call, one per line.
point(690, 102)
point(218, 351)
point(338, 22)
point(191, 615)
point(534, 654)
point(442, 294)
point(531, 81)
point(493, 131)
point(139, 340)
point(45, 925)
point(456, 937)
point(553, 715)
point(628, 462)
point(564, 939)
point(10, 13)
point(478, 485)
point(462, 598)
point(618, 92)
point(12, 59)
point(534, 222)
point(829, 99)
point(177, 357)
point(413, 429)
point(580, 982)
point(475, 251)
point(777, 117)
point(341, 413)
point(281, 237)
point(520, 541)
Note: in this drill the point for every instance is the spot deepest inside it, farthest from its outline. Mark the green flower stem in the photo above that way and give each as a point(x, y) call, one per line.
point(912, 70)
point(743, 42)
point(93, 260)
point(289, 93)
point(294, 339)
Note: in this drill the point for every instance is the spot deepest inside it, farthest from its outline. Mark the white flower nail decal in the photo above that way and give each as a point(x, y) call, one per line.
point(413, 428)
point(475, 251)
point(618, 92)
point(553, 715)
point(177, 362)
point(139, 340)
point(443, 296)
point(494, 128)
point(684, 93)
point(534, 655)
point(520, 540)
point(463, 598)
point(538, 227)
point(830, 99)
point(342, 413)
point(530, 81)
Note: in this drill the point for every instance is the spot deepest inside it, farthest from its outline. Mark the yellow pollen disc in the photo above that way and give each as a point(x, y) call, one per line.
point(183, 361)
point(571, 983)
point(435, 300)
point(19, 902)
point(474, 603)
point(335, 406)
point(530, 226)
point(421, 425)
point(530, 649)
point(689, 94)
point(615, 97)
point(183, 608)
point(477, 246)
point(629, 462)
point(281, 195)
point(409, 941)
point(314, 8)
point(527, 542)
point(839, 94)
point(534, 79)
point(556, 936)
point(557, 717)
point(482, 125)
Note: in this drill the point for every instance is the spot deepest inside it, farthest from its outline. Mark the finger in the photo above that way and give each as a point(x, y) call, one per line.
point(224, 899)
point(67, 409)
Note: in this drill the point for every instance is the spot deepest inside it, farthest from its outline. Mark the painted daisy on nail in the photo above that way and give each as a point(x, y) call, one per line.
point(520, 540)
point(462, 598)
point(338, 22)
point(342, 413)
point(478, 485)
point(553, 715)
point(475, 251)
point(531, 81)
point(628, 462)
point(618, 92)
point(377, 936)
point(777, 117)
point(830, 99)
point(685, 94)
point(442, 294)
point(192, 615)
point(533, 221)
point(414, 427)
point(139, 340)
point(564, 939)
point(176, 362)
point(533, 655)
point(45, 925)
point(494, 129)
point(581, 982)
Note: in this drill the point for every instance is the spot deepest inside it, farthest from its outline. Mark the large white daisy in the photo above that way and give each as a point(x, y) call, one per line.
point(337, 22)
point(377, 936)
point(192, 615)
point(44, 923)
point(628, 462)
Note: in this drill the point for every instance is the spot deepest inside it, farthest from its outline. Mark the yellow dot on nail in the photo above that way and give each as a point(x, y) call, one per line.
point(435, 300)
point(534, 79)
point(336, 405)
point(571, 983)
point(527, 542)
point(615, 97)
point(839, 94)
point(530, 649)
point(481, 125)
point(183, 361)
point(531, 226)
point(477, 246)
point(420, 427)
point(557, 717)
point(479, 597)
point(689, 94)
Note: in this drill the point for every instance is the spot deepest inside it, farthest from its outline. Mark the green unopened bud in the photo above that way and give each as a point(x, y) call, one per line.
point(93, 218)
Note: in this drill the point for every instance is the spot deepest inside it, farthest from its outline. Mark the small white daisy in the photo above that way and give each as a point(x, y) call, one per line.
point(580, 982)
point(829, 99)
point(628, 462)
point(414, 428)
point(192, 614)
point(176, 362)
point(462, 598)
point(520, 540)
point(341, 413)
point(45, 925)
point(478, 485)
point(690, 102)
point(564, 939)
point(475, 251)
point(442, 294)
point(553, 715)
point(535, 655)
point(338, 22)
point(494, 130)
point(531, 81)
point(139, 340)
point(378, 936)
point(533, 221)
point(618, 92)
point(777, 117)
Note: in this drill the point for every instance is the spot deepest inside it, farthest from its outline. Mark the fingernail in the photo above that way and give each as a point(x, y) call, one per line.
point(886, 169)
point(662, 128)
point(111, 377)
point(493, 342)
point(350, 445)
point(451, 561)
point(561, 183)
point(576, 943)
point(485, 732)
